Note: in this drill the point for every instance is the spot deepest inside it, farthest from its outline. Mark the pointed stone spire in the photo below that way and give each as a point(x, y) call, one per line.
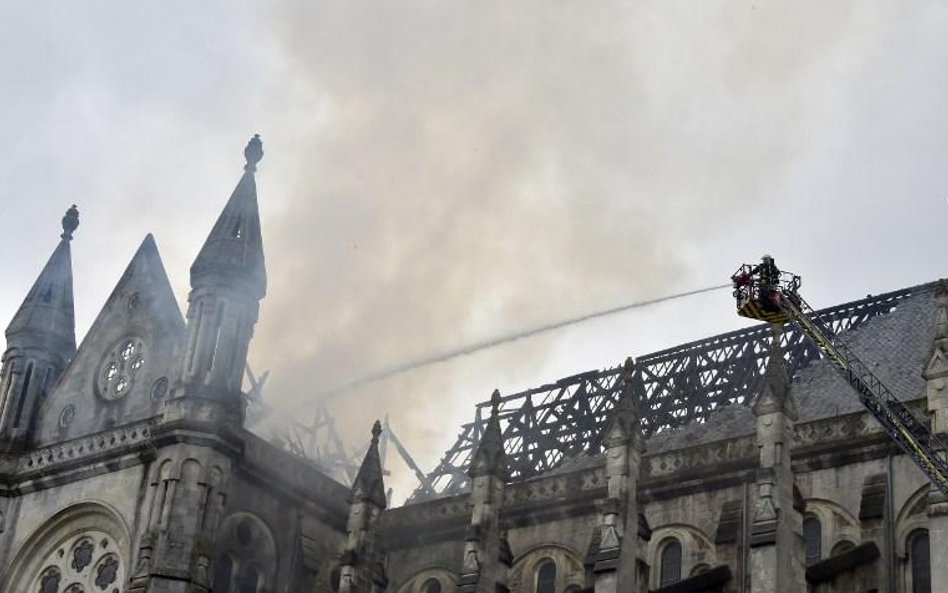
point(625, 423)
point(228, 279)
point(490, 459)
point(233, 251)
point(46, 318)
point(362, 564)
point(41, 340)
point(368, 485)
point(774, 395)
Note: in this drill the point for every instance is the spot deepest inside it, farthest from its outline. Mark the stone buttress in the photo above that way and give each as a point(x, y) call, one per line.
point(619, 563)
point(198, 438)
point(776, 540)
point(486, 562)
point(936, 380)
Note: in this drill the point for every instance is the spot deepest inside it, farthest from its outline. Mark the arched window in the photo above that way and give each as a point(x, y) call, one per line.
point(546, 577)
point(222, 574)
point(248, 545)
point(813, 539)
point(249, 578)
point(431, 586)
point(919, 559)
point(670, 562)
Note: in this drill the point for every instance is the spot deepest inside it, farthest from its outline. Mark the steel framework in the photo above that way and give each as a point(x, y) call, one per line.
point(673, 387)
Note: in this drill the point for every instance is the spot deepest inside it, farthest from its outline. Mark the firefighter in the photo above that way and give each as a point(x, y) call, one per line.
point(768, 272)
point(768, 283)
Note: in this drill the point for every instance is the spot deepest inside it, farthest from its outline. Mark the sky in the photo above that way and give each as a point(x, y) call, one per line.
point(440, 173)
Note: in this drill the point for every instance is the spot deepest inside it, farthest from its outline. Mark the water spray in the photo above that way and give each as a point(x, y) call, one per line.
point(447, 355)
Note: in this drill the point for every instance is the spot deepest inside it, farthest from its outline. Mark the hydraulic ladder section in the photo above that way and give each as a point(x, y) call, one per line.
point(778, 293)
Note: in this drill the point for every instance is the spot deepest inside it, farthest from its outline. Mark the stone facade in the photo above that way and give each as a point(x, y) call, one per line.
point(125, 466)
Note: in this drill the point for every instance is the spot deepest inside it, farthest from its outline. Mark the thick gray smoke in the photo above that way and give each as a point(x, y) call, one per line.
point(474, 169)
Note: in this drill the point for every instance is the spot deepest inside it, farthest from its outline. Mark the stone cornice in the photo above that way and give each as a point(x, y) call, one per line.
point(141, 442)
point(709, 456)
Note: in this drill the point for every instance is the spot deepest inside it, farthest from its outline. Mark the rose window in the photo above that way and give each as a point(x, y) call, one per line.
point(85, 563)
point(120, 368)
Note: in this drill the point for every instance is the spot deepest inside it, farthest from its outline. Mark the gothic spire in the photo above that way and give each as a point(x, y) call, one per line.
point(490, 459)
point(625, 416)
point(47, 318)
point(233, 250)
point(775, 395)
point(368, 485)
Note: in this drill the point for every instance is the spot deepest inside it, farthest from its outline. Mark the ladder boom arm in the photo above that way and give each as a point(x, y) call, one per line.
point(909, 433)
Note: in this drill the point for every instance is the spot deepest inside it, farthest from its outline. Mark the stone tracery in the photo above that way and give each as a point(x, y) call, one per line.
point(89, 562)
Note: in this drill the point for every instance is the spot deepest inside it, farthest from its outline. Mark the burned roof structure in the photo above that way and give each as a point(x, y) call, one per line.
point(699, 391)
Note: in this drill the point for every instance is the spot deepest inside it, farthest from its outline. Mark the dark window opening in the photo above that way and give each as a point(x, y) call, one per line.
point(546, 577)
point(8, 386)
point(670, 562)
point(248, 580)
point(920, 559)
point(812, 538)
point(23, 395)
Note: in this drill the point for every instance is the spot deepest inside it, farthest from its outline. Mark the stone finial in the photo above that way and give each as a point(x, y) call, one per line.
point(376, 432)
point(490, 457)
point(253, 153)
point(70, 223)
point(232, 254)
point(368, 485)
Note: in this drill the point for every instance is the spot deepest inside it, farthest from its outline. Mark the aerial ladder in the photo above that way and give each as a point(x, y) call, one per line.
point(766, 293)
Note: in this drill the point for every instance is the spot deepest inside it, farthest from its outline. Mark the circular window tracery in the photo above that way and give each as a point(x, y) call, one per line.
point(120, 367)
point(49, 580)
point(81, 565)
point(82, 555)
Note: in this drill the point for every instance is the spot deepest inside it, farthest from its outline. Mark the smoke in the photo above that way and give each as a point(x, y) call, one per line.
point(473, 169)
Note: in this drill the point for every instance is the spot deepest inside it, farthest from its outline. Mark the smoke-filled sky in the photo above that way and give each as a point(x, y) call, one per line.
point(437, 173)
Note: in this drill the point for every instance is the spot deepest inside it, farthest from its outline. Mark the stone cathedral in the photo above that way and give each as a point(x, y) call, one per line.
point(741, 463)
